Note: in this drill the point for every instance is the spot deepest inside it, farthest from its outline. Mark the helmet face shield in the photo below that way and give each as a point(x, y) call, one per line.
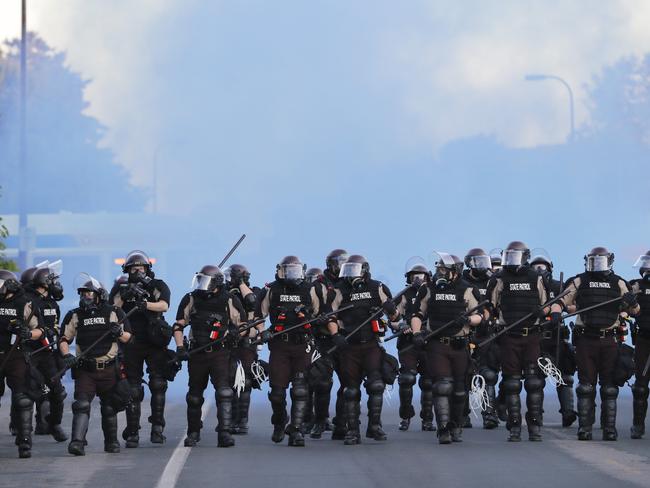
point(512, 257)
point(642, 262)
point(203, 282)
point(480, 263)
point(334, 263)
point(351, 270)
point(598, 263)
point(292, 272)
point(56, 268)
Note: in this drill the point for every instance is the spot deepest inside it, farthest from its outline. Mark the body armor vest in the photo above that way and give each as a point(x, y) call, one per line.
point(643, 319)
point(289, 305)
point(596, 288)
point(446, 304)
point(91, 325)
point(365, 300)
point(11, 313)
point(209, 317)
point(520, 296)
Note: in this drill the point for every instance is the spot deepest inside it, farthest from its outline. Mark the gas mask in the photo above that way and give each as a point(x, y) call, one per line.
point(87, 303)
point(444, 277)
point(139, 277)
point(55, 290)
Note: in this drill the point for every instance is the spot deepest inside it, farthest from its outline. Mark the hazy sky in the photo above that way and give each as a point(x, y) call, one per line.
point(262, 107)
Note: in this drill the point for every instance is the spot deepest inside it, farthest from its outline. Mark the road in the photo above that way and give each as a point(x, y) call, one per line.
point(410, 458)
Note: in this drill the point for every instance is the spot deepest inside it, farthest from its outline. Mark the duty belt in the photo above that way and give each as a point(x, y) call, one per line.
point(294, 338)
point(214, 347)
point(525, 331)
point(597, 333)
point(94, 365)
point(454, 340)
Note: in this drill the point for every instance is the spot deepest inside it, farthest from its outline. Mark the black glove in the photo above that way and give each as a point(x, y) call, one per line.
point(70, 360)
point(265, 336)
point(339, 340)
point(418, 339)
point(141, 305)
point(116, 329)
point(182, 354)
point(629, 300)
point(416, 283)
point(540, 314)
point(389, 307)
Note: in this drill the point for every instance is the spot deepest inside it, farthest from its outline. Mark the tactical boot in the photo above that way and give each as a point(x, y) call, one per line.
point(404, 424)
point(338, 429)
point(192, 439)
point(54, 421)
point(427, 426)
point(514, 434)
point(639, 410)
point(76, 448)
point(456, 434)
point(637, 431)
point(296, 438)
point(109, 427)
point(42, 412)
point(608, 395)
point(567, 409)
point(317, 430)
point(490, 421)
point(157, 436)
point(224, 439)
point(224, 397)
point(374, 431)
point(243, 407)
point(444, 435)
point(24, 447)
point(58, 434)
point(278, 433)
point(467, 422)
point(352, 436)
point(131, 432)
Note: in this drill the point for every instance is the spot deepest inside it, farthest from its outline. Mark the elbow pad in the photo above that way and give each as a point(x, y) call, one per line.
point(250, 302)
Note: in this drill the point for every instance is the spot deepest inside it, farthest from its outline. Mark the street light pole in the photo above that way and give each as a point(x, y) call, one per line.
point(22, 172)
point(568, 87)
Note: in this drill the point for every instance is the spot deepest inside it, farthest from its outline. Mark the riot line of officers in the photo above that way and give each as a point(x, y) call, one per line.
point(473, 318)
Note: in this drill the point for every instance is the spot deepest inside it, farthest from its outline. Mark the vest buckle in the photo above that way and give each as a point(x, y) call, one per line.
point(100, 365)
point(525, 331)
point(445, 340)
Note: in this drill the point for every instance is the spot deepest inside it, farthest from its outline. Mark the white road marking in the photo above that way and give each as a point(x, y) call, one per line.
point(174, 466)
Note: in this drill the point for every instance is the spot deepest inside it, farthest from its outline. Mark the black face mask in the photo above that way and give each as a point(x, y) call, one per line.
point(87, 303)
point(139, 277)
point(646, 275)
point(11, 287)
point(481, 273)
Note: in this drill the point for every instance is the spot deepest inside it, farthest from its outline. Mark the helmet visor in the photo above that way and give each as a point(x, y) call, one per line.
point(293, 271)
point(598, 263)
point(642, 262)
point(202, 282)
point(443, 259)
point(351, 270)
point(84, 281)
point(512, 257)
point(480, 263)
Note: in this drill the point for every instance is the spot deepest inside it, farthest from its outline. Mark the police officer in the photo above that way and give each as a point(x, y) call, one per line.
point(19, 318)
point(213, 314)
point(447, 297)
point(413, 361)
point(44, 290)
point(566, 364)
point(360, 354)
point(322, 382)
point(245, 350)
point(288, 301)
point(151, 297)
point(98, 372)
point(477, 273)
point(516, 291)
point(642, 347)
point(594, 337)
point(313, 275)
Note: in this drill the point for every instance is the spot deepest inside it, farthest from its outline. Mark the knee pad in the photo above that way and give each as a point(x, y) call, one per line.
point(640, 391)
point(532, 370)
point(107, 409)
point(58, 395)
point(156, 383)
point(375, 385)
point(511, 385)
point(443, 387)
point(194, 400)
point(81, 406)
point(489, 375)
point(406, 377)
point(137, 392)
point(21, 401)
point(225, 394)
point(352, 394)
point(568, 379)
point(585, 390)
point(533, 383)
point(609, 391)
point(299, 388)
point(425, 384)
point(277, 394)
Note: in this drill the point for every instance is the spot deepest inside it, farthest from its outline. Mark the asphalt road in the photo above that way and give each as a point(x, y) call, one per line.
point(410, 458)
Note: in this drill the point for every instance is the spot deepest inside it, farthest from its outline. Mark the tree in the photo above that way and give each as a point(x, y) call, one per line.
point(66, 169)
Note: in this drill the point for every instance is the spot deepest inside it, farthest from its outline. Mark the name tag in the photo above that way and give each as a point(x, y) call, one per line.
point(520, 287)
point(290, 298)
point(447, 297)
point(364, 295)
point(94, 321)
point(599, 284)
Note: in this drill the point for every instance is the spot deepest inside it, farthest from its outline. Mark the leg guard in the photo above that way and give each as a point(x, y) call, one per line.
point(457, 410)
point(426, 403)
point(243, 403)
point(490, 418)
point(224, 398)
point(339, 421)
point(278, 399)
point(158, 387)
point(608, 396)
point(586, 394)
point(375, 387)
point(322, 394)
point(511, 386)
point(194, 403)
point(352, 411)
point(56, 406)
point(534, 386)
point(23, 407)
point(406, 380)
point(567, 402)
point(639, 409)
point(130, 433)
point(442, 391)
point(109, 426)
point(299, 395)
point(42, 412)
point(80, 417)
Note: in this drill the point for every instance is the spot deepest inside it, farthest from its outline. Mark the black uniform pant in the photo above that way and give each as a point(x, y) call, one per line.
point(246, 355)
point(640, 391)
point(596, 359)
point(288, 363)
point(207, 366)
point(320, 391)
point(359, 361)
point(412, 363)
point(567, 367)
point(16, 373)
point(136, 355)
point(46, 364)
point(89, 383)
